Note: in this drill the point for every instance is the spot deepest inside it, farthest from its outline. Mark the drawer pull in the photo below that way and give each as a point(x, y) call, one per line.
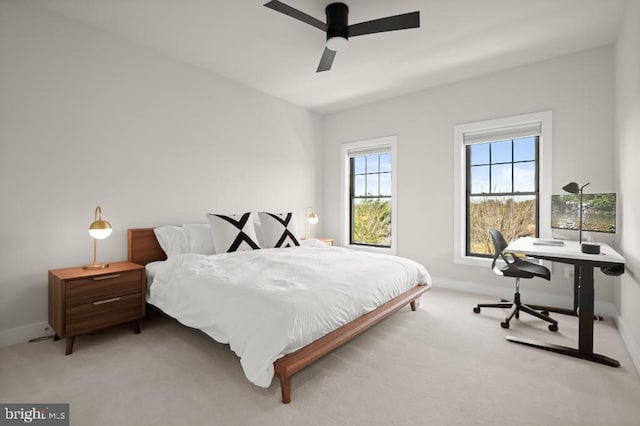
point(105, 277)
point(100, 302)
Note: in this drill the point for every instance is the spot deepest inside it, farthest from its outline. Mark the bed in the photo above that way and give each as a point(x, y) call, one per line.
point(292, 346)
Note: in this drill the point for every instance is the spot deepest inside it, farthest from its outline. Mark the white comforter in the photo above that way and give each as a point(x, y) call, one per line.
point(270, 302)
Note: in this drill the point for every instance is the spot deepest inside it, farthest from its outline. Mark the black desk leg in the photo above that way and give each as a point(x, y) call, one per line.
point(576, 288)
point(585, 324)
point(564, 350)
point(576, 300)
point(585, 315)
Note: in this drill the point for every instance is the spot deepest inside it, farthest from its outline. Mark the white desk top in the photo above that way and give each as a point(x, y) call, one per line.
point(570, 250)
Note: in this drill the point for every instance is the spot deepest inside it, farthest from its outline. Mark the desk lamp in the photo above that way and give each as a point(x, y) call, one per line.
point(99, 230)
point(310, 217)
point(574, 188)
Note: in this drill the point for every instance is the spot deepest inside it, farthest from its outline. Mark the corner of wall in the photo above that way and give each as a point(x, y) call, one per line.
point(25, 333)
point(629, 341)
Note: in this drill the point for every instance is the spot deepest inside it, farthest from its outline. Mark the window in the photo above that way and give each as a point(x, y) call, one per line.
point(502, 192)
point(503, 181)
point(371, 199)
point(368, 194)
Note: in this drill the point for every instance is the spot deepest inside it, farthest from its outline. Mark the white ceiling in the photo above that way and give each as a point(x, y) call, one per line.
point(256, 46)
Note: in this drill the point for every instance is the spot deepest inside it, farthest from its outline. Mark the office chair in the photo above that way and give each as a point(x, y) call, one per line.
point(518, 268)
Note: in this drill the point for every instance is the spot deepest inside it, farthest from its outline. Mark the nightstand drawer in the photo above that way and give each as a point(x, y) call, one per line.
point(103, 313)
point(91, 289)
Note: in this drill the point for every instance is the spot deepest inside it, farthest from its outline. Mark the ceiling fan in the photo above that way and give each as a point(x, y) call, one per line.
point(338, 29)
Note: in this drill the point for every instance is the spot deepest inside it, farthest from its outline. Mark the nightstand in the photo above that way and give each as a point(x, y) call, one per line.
point(327, 241)
point(81, 301)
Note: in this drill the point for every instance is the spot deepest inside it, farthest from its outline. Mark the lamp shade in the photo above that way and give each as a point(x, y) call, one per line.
point(100, 229)
point(312, 217)
point(572, 188)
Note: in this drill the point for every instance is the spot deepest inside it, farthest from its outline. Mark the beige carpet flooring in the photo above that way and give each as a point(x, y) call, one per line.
point(441, 365)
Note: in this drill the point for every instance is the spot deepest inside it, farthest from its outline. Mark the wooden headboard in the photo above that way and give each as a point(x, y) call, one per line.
point(143, 246)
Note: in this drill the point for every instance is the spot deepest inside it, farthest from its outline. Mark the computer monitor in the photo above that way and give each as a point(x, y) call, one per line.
point(598, 214)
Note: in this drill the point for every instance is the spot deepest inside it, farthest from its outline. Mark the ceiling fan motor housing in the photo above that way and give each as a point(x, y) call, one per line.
point(337, 20)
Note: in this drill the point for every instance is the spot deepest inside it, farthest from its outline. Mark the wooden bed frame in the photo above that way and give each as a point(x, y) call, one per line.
point(143, 248)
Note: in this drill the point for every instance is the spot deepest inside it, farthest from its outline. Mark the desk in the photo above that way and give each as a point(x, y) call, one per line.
point(584, 264)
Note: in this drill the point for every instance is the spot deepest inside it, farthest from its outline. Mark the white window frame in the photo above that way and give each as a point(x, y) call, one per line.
point(387, 143)
point(460, 178)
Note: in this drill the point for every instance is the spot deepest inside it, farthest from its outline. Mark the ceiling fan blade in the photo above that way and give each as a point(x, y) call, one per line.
point(327, 60)
point(296, 14)
point(390, 23)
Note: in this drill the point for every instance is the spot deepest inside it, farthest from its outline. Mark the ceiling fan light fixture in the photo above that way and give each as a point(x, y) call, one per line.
point(337, 43)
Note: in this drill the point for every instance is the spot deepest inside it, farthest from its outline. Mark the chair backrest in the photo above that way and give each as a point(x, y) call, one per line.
point(499, 244)
point(515, 266)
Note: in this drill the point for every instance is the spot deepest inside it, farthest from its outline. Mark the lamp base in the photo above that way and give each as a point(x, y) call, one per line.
point(590, 248)
point(91, 266)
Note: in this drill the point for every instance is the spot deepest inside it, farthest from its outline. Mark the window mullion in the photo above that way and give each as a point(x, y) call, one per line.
point(490, 167)
point(513, 188)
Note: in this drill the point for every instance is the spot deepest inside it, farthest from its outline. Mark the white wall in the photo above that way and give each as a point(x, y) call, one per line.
point(87, 119)
point(579, 91)
point(627, 90)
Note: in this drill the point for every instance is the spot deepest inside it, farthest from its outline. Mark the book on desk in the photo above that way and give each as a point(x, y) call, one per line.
point(542, 242)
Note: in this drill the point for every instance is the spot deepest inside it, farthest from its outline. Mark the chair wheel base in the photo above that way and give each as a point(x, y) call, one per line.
point(553, 327)
point(504, 324)
point(476, 310)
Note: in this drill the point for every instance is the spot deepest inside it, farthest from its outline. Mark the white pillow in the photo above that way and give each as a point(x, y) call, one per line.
point(233, 232)
point(279, 230)
point(172, 239)
point(200, 238)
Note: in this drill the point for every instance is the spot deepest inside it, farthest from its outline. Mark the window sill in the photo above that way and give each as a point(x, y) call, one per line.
point(473, 261)
point(370, 249)
point(486, 263)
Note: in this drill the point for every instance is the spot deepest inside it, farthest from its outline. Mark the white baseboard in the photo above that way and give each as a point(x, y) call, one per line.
point(541, 298)
point(533, 297)
point(23, 334)
point(629, 341)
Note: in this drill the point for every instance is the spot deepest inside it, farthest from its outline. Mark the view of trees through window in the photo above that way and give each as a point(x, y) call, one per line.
point(371, 199)
point(502, 192)
point(512, 216)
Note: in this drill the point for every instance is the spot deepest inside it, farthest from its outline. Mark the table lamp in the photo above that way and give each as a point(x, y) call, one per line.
point(99, 230)
point(310, 217)
point(574, 188)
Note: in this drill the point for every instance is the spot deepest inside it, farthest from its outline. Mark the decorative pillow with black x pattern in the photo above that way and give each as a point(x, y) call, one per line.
point(233, 232)
point(279, 230)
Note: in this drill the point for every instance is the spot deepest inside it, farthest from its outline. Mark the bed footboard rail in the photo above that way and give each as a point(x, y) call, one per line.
point(290, 364)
